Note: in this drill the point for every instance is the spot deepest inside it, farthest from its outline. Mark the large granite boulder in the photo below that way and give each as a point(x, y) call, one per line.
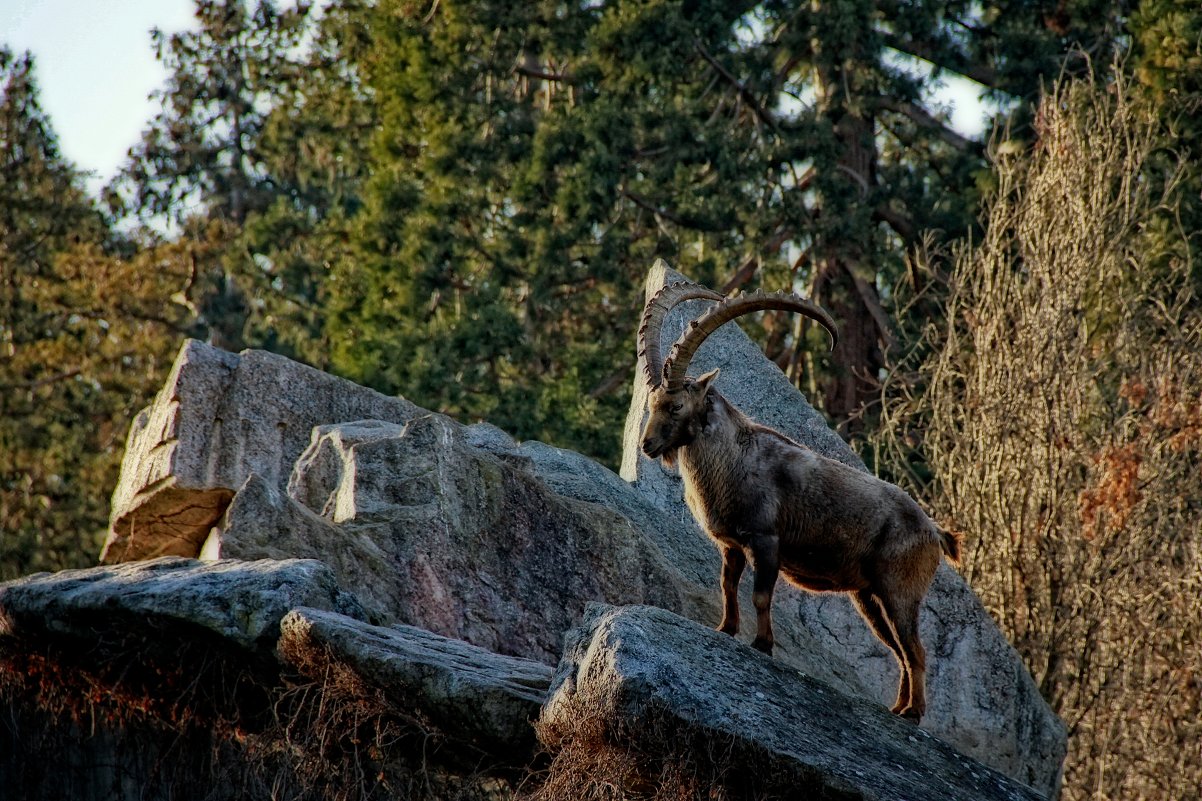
point(644, 697)
point(431, 531)
point(435, 533)
point(980, 696)
point(464, 532)
point(457, 529)
point(219, 418)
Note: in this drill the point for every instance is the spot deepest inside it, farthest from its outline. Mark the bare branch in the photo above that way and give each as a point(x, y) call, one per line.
point(924, 119)
point(898, 221)
point(945, 59)
point(537, 73)
point(750, 99)
point(647, 205)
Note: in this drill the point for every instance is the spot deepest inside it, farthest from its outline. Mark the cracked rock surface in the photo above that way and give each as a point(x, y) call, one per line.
point(660, 685)
point(241, 602)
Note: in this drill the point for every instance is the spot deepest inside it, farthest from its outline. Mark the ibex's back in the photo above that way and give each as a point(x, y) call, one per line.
point(763, 497)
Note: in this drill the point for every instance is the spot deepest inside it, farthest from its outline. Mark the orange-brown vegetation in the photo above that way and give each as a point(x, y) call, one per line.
point(1058, 415)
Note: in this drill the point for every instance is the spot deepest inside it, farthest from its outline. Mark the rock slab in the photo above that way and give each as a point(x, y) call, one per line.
point(241, 602)
point(219, 418)
point(474, 696)
point(640, 675)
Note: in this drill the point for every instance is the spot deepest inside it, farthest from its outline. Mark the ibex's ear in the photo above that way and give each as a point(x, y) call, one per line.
point(707, 379)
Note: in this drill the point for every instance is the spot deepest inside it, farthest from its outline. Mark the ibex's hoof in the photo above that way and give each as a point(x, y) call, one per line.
point(760, 644)
point(728, 629)
point(909, 713)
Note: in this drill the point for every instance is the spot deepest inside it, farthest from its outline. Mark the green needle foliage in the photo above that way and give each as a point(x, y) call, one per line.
point(532, 159)
point(82, 342)
point(458, 200)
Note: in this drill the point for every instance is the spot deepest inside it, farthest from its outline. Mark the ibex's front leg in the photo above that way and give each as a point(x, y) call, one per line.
point(733, 562)
point(765, 560)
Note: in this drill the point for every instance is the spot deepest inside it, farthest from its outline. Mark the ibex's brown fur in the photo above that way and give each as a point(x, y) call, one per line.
point(823, 525)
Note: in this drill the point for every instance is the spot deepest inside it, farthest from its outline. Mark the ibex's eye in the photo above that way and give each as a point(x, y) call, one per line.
point(676, 407)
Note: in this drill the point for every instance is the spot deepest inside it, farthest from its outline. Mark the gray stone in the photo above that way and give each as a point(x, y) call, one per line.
point(472, 695)
point(433, 532)
point(269, 524)
point(219, 418)
point(242, 602)
point(980, 696)
point(664, 687)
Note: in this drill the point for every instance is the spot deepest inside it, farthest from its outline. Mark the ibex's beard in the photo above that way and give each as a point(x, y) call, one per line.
point(669, 457)
point(660, 450)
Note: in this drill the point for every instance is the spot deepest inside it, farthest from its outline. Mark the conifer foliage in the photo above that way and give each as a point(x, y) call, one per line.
point(82, 342)
point(533, 158)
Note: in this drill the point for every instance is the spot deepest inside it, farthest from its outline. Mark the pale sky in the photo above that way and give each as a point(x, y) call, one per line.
point(95, 69)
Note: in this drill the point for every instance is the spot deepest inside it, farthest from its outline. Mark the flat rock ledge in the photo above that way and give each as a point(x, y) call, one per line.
point(472, 695)
point(240, 602)
point(645, 698)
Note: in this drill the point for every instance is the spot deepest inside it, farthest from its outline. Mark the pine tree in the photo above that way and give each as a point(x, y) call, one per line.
point(85, 337)
point(200, 153)
point(260, 144)
point(532, 160)
point(314, 148)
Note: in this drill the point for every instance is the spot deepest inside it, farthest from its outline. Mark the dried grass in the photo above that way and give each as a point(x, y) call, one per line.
point(655, 758)
point(184, 715)
point(1058, 412)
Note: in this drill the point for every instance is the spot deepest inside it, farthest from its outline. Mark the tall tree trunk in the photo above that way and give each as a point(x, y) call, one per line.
point(845, 277)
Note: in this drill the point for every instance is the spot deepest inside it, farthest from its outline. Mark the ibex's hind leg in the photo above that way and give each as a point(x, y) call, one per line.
point(901, 610)
point(765, 561)
point(870, 609)
point(733, 562)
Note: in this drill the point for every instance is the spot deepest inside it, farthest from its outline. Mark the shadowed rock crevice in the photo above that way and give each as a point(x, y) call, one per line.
point(121, 683)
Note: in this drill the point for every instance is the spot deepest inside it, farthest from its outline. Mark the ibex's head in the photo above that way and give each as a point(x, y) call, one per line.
point(676, 417)
point(678, 403)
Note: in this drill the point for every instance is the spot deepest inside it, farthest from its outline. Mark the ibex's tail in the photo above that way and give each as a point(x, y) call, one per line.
point(950, 542)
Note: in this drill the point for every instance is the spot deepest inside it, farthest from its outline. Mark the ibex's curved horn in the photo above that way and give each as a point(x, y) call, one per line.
point(653, 321)
point(677, 363)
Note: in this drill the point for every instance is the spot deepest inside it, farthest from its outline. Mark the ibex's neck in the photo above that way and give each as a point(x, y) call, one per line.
point(710, 460)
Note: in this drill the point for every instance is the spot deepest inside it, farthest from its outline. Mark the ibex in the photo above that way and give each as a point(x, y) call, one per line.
point(765, 498)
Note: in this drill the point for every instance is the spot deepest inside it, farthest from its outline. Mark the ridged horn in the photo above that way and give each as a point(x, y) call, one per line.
point(654, 313)
point(677, 363)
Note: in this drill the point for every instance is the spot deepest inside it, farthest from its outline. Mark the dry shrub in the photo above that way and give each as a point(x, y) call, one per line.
point(656, 758)
point(182, 714)
point(1055, 420)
